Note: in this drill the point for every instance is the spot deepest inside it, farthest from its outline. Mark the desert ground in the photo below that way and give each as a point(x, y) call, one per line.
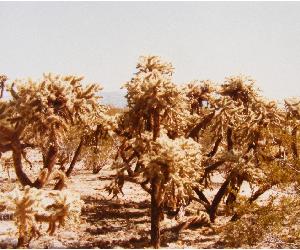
point(122, 222)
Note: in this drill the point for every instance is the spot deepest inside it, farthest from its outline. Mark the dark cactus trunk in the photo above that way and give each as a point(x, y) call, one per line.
point(156, 124)
point(216, 201)
point(17, 158)
point(236, 184)
point(21, 242)
point(49, 164)
point(294, 143)
point(155, 213)
point(60, 183)
point(75, 158)
point(50, 161)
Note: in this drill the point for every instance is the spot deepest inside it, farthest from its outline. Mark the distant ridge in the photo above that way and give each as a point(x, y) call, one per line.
point(114, 98)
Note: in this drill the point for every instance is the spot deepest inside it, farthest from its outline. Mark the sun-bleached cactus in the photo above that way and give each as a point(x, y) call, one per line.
point(199, 94)
point(55, 214)
point(173, 168)
point(26, 208)
point(3, 79)
point(56, 115)
point(33, 207)
point(245, 135)
point(153, 129)
point(154, 101)
point(274, 224)
point(292, 106)
point(177, 165)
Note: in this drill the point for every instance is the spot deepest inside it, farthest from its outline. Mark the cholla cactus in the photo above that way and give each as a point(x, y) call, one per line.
point(290, 139)
point(34, 207)
point(245, 134)
point(154, 127)
point(239, 88)
point(56, 115)
point(60, 207)
point(26, 208)
point(293, 107)
point(52, 104)
point(177, 165)
point(6, 114)
point(199, 93)
point(250, 140)
point(154, 101)
point(3, 79)
point(274, 224)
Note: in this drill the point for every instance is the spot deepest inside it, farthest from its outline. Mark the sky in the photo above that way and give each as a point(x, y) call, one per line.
point(204, 40)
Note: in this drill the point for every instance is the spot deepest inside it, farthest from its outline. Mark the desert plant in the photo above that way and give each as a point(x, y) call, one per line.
point(33, 207)
point(243, 133)
point(153, 129)
point(56, 115)
point(274, 224)
point(24, 216)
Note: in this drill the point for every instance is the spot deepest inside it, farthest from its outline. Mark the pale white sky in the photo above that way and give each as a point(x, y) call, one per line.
point(203, 40)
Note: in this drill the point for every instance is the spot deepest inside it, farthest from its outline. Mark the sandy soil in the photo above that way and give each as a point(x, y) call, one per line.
point(119, 223)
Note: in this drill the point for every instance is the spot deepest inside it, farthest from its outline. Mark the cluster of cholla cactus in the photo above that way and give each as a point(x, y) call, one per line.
point(154, 101)
point(274, 224)
point(57, 116)
point(174, 138)
point(170, 140)
point(243, 133)
point(34, 207)
point(155, 152)
point(30, 208)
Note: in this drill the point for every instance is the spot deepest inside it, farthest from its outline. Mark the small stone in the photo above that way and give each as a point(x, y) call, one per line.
point(68, 235)
point(55, 244)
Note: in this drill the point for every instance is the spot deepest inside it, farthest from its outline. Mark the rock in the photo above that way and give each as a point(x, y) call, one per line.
point(55, 244)
point(173, 245)
point(68, 235)
point(46, 243)
point(35, 245)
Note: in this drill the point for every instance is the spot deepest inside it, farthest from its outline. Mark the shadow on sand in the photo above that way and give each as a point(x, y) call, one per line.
point(109, 217)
